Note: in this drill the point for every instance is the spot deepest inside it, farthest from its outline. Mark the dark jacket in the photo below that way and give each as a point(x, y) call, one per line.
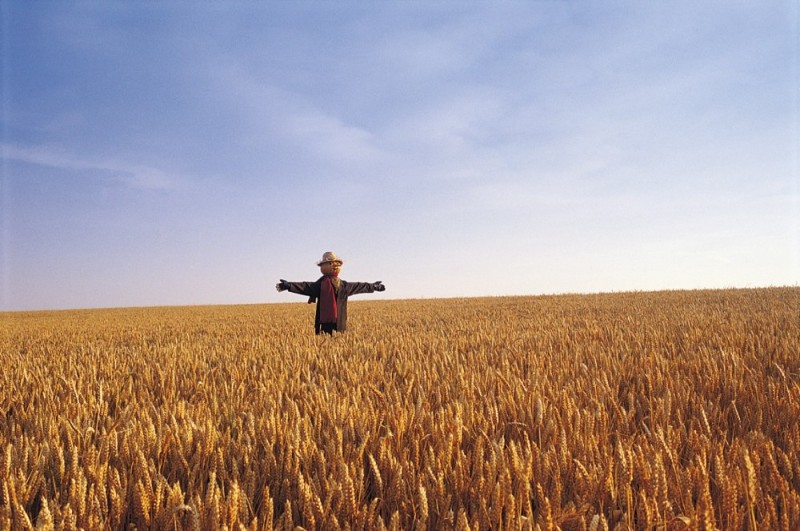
point(311, 289)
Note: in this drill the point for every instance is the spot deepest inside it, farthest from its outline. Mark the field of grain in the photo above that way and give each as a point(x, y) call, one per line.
point(663, 410)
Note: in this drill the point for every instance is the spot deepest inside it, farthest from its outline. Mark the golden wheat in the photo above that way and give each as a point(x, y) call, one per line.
point(620, 411)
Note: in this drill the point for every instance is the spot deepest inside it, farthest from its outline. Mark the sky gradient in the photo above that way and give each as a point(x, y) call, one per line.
point(175, 153)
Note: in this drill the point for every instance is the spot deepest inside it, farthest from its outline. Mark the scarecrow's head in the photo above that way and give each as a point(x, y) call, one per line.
point(330, 264)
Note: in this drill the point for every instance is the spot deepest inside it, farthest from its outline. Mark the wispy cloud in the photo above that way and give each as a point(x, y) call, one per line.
point(130, 175)
point(269, 120)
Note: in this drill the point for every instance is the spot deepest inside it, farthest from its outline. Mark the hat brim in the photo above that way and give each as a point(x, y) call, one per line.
point(330, 262)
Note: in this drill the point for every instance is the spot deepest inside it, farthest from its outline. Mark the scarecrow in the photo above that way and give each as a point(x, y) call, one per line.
point(330, 293)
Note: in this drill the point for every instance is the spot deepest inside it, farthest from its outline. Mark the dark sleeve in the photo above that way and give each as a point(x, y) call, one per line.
point(354, 288)
point(303, 288)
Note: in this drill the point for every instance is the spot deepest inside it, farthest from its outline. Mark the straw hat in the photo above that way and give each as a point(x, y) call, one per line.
point(328, 257)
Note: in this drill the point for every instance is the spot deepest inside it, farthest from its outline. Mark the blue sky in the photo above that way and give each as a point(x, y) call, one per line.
point(171, 153)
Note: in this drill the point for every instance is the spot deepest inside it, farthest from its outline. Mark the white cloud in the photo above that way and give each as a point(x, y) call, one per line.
point(330, 138)
point(268, 115)
point(131, 175)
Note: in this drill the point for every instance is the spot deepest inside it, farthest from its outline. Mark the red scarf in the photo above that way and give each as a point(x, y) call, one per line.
point(328, 309)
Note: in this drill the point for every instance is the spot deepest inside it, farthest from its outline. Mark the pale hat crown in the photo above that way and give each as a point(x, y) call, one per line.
point(328, 257)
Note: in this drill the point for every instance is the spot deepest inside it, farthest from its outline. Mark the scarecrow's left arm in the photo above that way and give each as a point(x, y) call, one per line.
point(354, 288)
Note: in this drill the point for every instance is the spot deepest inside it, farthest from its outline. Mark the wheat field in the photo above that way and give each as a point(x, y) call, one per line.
point(659, 410)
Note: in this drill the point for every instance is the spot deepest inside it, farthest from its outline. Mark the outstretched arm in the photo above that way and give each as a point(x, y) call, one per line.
point(301, 288)
point(354, 288)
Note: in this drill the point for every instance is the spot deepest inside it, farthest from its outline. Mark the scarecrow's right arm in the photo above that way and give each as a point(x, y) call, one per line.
point(301, 288)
